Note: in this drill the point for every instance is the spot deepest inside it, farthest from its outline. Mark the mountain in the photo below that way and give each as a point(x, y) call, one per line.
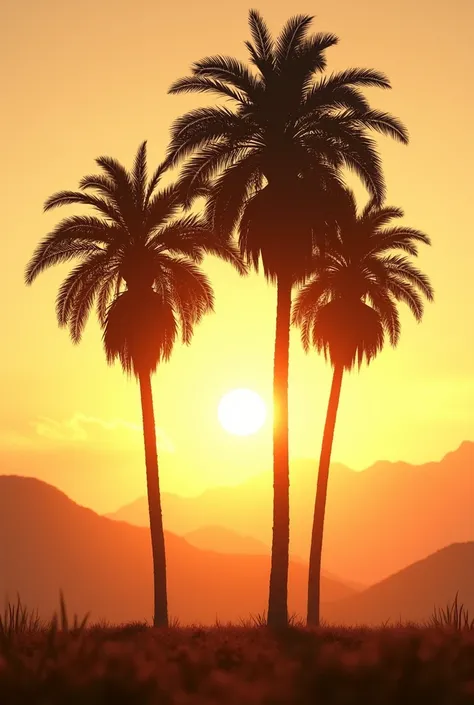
point(222, 540)
point(412, 593)
point(377, 521)
point(48, 542)
point(225, 540)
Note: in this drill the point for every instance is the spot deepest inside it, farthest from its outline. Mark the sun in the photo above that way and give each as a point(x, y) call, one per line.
point(242, 412)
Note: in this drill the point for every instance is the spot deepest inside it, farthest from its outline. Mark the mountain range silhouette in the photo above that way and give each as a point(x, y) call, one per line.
point(378, 520)
point(103, 565)
point(48, 543)
point(413, 593)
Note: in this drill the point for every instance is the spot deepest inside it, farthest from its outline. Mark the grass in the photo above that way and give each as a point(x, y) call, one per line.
point(455, 616)
point(18, 619)
point(73, 662)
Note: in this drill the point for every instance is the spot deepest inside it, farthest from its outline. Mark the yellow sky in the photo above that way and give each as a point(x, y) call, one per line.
point(80, 80)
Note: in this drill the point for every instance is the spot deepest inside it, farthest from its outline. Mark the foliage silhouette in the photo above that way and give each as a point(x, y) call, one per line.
point(286, 121)
point(138, 262)
point(345, 311)
point(455, 616)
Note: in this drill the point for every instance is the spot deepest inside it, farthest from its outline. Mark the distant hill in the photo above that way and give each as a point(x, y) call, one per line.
point(222, 540)
point(225, 540)
point(377, 521)
point(412, 593)
point(48, 542)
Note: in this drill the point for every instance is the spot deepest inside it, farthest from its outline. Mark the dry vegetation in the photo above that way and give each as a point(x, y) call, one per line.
point(135, 664)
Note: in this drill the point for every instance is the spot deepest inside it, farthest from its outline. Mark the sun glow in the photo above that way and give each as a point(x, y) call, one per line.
point(242, 412)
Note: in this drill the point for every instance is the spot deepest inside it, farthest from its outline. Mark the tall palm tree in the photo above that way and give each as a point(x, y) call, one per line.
point(138, 259)
point(284, 120)
point(346, 310)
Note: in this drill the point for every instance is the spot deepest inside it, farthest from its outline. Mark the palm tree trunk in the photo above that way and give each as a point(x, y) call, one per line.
point(278, 597)
point(314, 580)
point(160, 602)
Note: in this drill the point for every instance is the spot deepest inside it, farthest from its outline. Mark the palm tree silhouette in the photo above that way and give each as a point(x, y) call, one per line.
point(283, 123)
point(346, 311)
point(138, 260)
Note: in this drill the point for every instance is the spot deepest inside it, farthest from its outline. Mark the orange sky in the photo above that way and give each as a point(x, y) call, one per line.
point(87, 79)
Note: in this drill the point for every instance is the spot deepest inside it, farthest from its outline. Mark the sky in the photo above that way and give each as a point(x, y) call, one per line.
point(90, 79)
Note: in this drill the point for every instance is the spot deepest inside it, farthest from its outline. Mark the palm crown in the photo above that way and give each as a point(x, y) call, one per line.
point(138, 258)
point(350, 304)
point(283, 121)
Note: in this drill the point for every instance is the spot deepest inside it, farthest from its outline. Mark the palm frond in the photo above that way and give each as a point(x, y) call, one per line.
point(384, 123)
point(75, 289)
point(154, 181)
point(49, 253)
point(374, 217)
point(117, 173)
point(213, 244)
point(261, 36)
point(265, 68)
point(139, 176)
point(401, 268)
point(83, 298)
point(199, 170)
point(202, 127)
point(103, 185)
point(310, 297)
point(292, 35)
point(403, 291)
point(87, 228)
point(358, 77)
point(181, 236)
point(400, 238)
point(124, 188)
point(330, 97)
point(308, 60)
point(161, 207)
point(140, 330)
point(66, 198)
point(360, 155)
point(108, 290)
point(231, 71)
point(386, 307)
point(345, 144)
point(229, 193)
point(339, 90)
point(201, 84)
point(190, 293)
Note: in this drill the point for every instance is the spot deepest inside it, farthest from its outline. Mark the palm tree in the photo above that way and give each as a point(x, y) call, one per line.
point(137, 261)
point(345, 311)
point(285, 120)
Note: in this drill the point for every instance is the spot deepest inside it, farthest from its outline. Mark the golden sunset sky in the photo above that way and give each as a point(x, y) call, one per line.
point(81, 80)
